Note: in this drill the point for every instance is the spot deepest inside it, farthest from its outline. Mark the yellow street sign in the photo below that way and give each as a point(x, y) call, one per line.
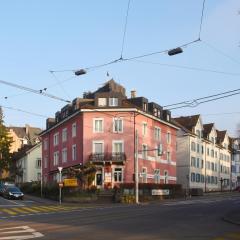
point(70, 182)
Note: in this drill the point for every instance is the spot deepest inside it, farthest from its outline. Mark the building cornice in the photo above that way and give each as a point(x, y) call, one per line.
point(109, 110)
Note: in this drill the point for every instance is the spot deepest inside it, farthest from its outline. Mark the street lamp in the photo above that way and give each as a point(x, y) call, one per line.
point(175, 51)
point(60, 186)
point(80, 72)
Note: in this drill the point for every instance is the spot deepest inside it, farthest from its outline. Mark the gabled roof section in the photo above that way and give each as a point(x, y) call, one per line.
point(189, 122)
point(27, 132)
point(220, 136)
point(207, 128)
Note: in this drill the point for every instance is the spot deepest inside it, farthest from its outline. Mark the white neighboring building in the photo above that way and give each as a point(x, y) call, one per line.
point(29, 165)
point(203, 155)
point(235, 145)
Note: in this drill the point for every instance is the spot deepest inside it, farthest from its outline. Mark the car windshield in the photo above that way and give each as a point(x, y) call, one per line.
point(14, 189)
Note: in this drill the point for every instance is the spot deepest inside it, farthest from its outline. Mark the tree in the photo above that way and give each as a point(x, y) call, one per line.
point(5, 144)
point(85, 174)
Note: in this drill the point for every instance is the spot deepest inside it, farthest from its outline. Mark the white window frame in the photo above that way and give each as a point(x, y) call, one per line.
point(144, 153)
point(38, 160)
point(56, 158)
point(113, 102)
point(144, 175)
point(165, 177)
point(74, 152)
point(157, 133)
point(116, 167)
point(120, 119)
point(74, 129)
point(157, 176)
point(64, 135)
point(117, 141)
point(169, 137)
point(144, 129)
point(64, 155)
point(93, 145)
point(94, 125)
point(56, 139)
point(168, 155)
point(101, 104)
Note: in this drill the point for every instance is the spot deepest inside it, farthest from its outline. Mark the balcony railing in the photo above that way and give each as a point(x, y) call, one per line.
point(107, 157)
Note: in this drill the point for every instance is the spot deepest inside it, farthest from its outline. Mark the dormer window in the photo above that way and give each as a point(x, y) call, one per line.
point(155, 112)
point(102, 102)
point(168, 117)
point(198, 133)
point(144, 106)
point(113, 102)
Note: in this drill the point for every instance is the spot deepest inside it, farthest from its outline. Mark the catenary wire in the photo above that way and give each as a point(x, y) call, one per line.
point(125, 30)
point(221, 52)
point(206, 97)
point(201, 21)
point(196, 103)
point(187, 67)
point(39, 92)
point(24, 111)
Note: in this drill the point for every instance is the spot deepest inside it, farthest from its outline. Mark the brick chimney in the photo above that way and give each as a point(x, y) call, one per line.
point(133, 93)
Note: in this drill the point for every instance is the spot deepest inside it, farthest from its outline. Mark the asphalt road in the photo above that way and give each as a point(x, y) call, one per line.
point(191, 219)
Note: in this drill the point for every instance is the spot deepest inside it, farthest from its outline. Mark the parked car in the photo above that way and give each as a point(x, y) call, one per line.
point(2, 188)
point(13, 193)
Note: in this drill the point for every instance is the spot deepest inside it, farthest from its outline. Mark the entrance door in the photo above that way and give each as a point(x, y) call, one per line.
point(99, 179)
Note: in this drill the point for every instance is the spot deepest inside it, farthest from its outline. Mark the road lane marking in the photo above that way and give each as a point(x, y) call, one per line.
point(20, 210)
point(8, 211)
point(30, 209)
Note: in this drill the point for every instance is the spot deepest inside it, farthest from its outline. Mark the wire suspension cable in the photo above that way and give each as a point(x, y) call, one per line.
point(201, 21)
point(39, 92)
point(24, 111)
point(159, 52)
point(125, 29)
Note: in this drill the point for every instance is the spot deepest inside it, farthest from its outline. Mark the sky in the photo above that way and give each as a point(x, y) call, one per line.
point(41, 36)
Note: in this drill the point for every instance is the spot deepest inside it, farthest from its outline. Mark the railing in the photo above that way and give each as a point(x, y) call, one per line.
point(107, 157)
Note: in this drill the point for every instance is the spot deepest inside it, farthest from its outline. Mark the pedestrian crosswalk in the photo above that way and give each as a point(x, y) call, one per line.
point(19, 232)
point(197, 201)
point(34, 209)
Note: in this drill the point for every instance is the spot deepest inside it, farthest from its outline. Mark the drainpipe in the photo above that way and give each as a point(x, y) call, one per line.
point(205, 168)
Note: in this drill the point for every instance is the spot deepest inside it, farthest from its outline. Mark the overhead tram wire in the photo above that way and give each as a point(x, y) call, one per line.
point(125, 30)
point(221, 52)
point(202, 98)
point(58, 82)
point(195, 103)
point(39, 92)
point(24, 111)
point(187, 67)
point(121, 59)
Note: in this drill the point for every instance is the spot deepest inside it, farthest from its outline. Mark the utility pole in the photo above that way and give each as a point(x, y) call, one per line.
point(136, 168)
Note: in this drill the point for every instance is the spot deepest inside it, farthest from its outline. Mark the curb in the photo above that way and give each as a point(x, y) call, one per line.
point(229, 220)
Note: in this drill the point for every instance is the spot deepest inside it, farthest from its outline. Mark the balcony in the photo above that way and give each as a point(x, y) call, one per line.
point(107, 157)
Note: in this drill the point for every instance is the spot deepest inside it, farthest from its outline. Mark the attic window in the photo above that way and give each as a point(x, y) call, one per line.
point(102, 102)
point(144, 106)
point(113, 102)
point(168, 117)
point(155, 112)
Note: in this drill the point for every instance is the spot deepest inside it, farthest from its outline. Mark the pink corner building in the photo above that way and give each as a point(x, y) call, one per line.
point(104, 127)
